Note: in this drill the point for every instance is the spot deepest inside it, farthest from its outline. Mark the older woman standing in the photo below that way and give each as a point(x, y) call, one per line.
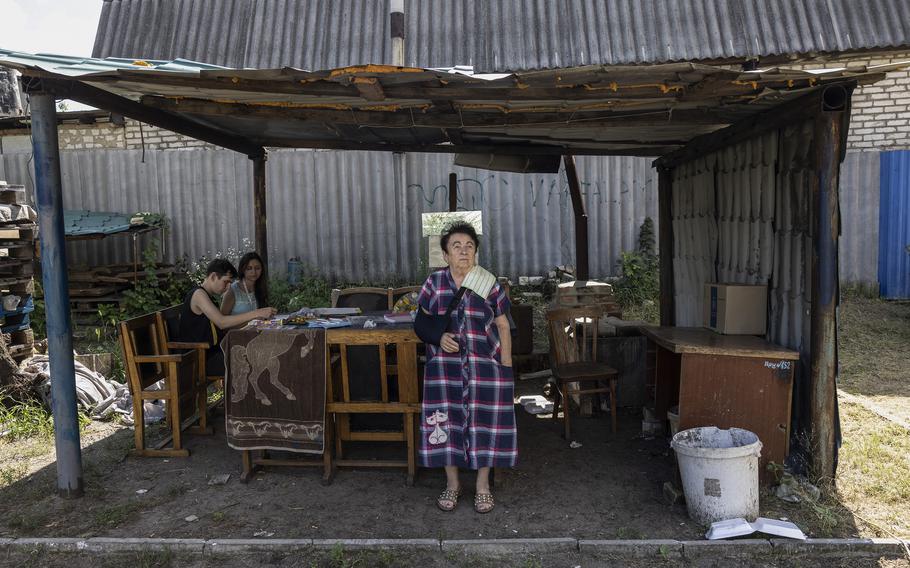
point(468, 409)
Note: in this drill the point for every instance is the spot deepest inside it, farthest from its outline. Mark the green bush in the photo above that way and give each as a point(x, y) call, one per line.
point(640, 280)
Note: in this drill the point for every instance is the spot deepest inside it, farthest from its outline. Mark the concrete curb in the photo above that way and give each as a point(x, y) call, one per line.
point(698, 550)
point(667, 549)
point(511, 545)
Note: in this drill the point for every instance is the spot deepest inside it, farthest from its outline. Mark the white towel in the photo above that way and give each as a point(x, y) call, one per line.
point(480, 281)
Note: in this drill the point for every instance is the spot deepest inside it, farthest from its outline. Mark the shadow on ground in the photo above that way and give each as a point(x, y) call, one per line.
point(609, 488)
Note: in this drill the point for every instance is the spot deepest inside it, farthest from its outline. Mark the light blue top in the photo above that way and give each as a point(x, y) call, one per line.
point(243, 301)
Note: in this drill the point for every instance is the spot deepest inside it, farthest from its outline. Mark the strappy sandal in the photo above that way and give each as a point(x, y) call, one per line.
point(448, 495)
point(483, 503)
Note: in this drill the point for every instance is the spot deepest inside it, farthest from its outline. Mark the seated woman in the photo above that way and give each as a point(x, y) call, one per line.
point(200, 319)
point(247, 293)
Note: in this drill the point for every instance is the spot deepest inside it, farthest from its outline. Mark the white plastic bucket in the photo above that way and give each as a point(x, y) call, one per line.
point(719, 470)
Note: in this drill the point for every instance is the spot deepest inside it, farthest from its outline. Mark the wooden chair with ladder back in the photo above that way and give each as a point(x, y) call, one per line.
point(168, 326)
point(147, 361)
point(368, 299)
point(396, 392)
point(573, 334)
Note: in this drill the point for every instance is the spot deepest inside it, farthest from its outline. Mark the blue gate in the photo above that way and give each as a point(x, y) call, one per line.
point(894, 226)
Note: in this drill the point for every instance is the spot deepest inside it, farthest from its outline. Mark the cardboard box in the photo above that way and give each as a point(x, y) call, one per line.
point(736, 309)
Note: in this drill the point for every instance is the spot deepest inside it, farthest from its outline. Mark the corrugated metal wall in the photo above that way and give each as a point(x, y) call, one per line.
point(859, 204)
point(894, 240)
point(742, 215)
point(352, 216)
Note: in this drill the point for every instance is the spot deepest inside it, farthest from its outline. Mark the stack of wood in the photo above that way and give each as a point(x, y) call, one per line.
point(18, 230)
point(587, 293)
point(92, 287)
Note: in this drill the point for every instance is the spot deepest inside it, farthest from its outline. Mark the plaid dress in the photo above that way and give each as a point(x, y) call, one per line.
point(468, 415)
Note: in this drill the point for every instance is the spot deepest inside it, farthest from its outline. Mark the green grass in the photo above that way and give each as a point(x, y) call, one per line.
point(26, 420)
point(873, 476)
point(23, 420)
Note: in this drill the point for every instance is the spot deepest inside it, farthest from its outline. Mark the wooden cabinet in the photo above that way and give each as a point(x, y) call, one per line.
point(726, 381)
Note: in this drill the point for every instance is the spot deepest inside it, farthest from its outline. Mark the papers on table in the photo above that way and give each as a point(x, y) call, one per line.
point(329, 322)
point(400, 317)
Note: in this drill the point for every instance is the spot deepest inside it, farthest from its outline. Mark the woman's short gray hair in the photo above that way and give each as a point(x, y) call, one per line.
point(462, 227)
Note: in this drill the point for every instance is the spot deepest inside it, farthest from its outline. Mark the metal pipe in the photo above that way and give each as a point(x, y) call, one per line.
point(396, 27)
point(581, 219)
point(49, 197)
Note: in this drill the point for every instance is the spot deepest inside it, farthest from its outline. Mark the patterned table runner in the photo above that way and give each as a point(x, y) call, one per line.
point(275, 389)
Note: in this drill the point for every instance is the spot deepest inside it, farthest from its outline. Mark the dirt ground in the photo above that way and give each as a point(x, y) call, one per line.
point(609, 488)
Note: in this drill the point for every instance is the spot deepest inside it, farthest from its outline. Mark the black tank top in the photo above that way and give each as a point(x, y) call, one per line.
point(195, 327)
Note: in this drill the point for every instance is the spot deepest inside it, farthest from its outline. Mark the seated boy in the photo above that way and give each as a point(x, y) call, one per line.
point(200, 318)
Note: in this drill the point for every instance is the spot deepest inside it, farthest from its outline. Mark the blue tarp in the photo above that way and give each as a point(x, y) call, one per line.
point(83, 222)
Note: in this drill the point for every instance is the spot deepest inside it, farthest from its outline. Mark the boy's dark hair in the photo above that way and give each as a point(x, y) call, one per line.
point(221, 267)
point(462, 227)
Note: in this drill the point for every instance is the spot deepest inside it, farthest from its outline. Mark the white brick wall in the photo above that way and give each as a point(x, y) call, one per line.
point(881, 111)
point(107, 135)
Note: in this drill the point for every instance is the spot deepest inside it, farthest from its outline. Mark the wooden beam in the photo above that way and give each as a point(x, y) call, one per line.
point(827, 142)
point(468, 148)
point(453, 191)
point(446, 115)
point(100, 98)
point(428, 90)
point(665, 246)
point(369, 88)
point(259, 212)
point(581, 219)
point(771, 119)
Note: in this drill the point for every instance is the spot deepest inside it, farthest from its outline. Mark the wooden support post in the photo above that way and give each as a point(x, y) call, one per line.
point(828, 140)
point(665, 245)
point(581, 219)
point(453, 192)
point(259, 212)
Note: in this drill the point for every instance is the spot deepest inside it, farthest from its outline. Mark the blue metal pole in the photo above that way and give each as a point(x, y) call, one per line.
point(49, 195)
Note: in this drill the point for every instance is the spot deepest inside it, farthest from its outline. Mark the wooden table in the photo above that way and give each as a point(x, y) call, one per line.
point(399, 340)
point(726, 381)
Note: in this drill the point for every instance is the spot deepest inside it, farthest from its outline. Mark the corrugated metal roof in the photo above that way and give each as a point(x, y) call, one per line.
point(521, 35)
point(894, 224)
point(494, 34)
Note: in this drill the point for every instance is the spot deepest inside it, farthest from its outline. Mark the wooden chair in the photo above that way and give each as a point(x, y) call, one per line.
point(341, 403)
point(168, 326)
point(396, 293)
point(573, 357)
point(147, 361)
point(366, 298)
